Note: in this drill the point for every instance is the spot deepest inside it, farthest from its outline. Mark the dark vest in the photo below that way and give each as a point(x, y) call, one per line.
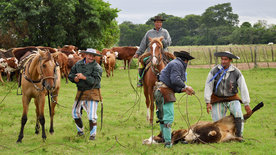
point(228, 86)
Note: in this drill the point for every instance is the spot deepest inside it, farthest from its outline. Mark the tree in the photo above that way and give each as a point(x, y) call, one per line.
point(57, 22)
point(220, 15)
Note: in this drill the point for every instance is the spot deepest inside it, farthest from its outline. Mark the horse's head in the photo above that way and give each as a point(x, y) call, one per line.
point(156, 47)
point(46, 67)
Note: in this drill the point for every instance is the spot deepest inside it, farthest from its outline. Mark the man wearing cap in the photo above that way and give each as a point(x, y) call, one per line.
point(156, 32)
point(172, 80)
point(221, 91)
point(86, 74)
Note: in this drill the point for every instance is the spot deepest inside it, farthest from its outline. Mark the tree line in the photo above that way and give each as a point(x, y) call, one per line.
point(218, 25)
point(83, 23)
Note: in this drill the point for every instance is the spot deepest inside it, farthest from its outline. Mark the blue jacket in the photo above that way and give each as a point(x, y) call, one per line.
point(173, 75)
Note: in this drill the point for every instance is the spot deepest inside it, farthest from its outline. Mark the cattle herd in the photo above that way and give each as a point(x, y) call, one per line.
point(65, 57)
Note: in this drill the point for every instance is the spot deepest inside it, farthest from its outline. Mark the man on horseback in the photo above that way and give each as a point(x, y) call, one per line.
point(156, 32)
point(221, 91)
point(172, 80)
point(86, 74)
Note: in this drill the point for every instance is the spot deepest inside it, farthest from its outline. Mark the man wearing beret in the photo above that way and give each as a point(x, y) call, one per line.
point(221, 91)
point(156, 32)
point(172, 80)
point(86, 74)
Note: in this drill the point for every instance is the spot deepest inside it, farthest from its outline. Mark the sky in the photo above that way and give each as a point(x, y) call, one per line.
point(139, 11)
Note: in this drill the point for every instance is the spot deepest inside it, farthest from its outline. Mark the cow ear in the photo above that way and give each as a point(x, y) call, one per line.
point(150, 39)
point(161, 38)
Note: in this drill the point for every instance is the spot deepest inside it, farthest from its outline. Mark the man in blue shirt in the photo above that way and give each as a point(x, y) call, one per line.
point(172, 80)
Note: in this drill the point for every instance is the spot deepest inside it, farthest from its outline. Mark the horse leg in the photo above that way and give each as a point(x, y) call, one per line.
point(41, 115)
point(1, 79)
point(53, 105)
point(37, 126)
point(25, 102)
point(147, 101)
point(151, 105)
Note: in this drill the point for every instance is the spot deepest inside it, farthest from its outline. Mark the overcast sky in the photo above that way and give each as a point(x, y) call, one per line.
point(139, 11)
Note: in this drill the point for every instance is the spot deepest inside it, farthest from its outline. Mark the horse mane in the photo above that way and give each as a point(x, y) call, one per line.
point(156, 40)
point(40, 53)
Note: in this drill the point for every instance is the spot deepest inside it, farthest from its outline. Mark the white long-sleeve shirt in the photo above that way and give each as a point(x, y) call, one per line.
point(209, 86)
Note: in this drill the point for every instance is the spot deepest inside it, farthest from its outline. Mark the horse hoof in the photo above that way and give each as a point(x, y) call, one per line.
point(19, 141)
point(51, 131)
point(37, 132)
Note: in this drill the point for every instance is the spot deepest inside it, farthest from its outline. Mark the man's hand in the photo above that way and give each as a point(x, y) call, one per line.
point(209, 107)
point(80, 76)
point(248, 110)
point(76, 79)
point(189, 90)
point(135, 55)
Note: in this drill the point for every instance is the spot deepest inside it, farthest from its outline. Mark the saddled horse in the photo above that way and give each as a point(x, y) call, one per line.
point(156, 65)
point(40, 77)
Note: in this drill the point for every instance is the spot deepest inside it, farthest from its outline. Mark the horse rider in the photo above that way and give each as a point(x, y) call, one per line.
point(171, 80)
point(221, 91)
point(86, 74)
point(156, 32)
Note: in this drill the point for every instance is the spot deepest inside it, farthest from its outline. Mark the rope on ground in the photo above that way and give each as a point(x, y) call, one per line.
point(116, 141)
point(8, 92)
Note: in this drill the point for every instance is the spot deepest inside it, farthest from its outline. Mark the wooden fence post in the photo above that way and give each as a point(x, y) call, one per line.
point(251, 51)
point(272, 53)
point(255, 60)
point(210, 53)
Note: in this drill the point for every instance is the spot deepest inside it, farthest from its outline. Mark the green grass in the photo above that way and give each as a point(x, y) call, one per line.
point(259, 132)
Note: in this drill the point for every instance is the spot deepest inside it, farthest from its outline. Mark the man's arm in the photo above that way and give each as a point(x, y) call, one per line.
point(167, 40)
point(244, 94)
point(143, 46)
point(208, 91)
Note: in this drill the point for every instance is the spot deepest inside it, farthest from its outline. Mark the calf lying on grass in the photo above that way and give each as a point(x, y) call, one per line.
point(222, 130)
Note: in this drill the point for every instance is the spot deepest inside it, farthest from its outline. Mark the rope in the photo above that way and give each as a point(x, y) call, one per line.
point(7, 93)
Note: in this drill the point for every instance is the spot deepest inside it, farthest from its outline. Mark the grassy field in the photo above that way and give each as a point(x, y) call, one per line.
point(259, 132)
point(245, 52)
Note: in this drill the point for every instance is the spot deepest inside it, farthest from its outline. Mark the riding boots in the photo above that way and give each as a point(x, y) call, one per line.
point(238, 125)
point(93, 129)
point(140, 77)
point(79, 125)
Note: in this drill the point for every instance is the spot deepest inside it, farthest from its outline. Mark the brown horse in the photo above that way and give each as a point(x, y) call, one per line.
point(150, 77)
point(41, 76)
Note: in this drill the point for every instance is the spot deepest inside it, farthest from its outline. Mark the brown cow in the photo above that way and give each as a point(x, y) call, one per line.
point(109, 62)
point(72, 60)
point(222, 130)
point(125, 53)
point(62, 61)
point(69, 49)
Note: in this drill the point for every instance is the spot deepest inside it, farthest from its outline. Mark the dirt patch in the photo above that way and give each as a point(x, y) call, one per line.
point(241, 66)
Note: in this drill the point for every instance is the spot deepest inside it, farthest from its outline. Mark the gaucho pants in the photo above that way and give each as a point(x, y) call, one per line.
point(91, 108)
point(168, 118)
point(219, 110)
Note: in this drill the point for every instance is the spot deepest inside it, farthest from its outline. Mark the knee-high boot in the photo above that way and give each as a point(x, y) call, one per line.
point(238, 125)
point(93, 130)
point(140, 77)
point(79, 125)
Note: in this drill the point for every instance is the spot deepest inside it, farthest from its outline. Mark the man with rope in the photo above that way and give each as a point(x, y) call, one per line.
point(86, 74)
point(172, 80)
point(156, 32)
point(221, 91)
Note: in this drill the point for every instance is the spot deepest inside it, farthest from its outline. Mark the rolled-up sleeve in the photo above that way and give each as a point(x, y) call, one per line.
point(244, 91)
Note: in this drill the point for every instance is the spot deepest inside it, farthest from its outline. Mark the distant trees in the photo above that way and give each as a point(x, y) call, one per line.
point(218, 25)
point(89, 23)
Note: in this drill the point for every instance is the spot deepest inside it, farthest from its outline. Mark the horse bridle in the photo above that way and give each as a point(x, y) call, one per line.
point(41, 75)
point(153, 67)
